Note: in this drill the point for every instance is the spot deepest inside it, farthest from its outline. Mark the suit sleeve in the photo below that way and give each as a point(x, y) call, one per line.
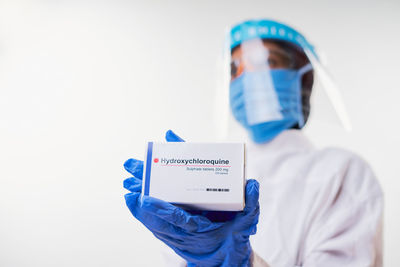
point(257, 261)
point(347, 230)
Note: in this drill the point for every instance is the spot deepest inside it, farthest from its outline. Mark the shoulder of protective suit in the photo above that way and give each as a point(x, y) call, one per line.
point(350, 171)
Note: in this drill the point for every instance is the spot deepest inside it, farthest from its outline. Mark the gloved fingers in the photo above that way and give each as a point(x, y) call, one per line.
point(161, 227)
point(253, 229)
point(252, 195)
point(248, 219)
point(132, 201)
point(133, 184)
point(247, 226)
point(151, 221)
point(192, 251)
point(170, 136)
point(170, 240)
point(134, 167)
point(177, 216)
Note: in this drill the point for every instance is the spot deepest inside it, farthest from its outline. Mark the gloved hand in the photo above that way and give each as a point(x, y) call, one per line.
point(200, 241)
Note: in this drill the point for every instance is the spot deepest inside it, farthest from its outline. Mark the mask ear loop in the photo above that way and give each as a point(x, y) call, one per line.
point(303, 70)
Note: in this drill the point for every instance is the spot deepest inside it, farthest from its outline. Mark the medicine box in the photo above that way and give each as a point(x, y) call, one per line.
point(196, 176)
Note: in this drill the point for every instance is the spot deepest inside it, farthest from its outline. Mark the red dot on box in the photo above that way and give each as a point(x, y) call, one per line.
point(155, 160)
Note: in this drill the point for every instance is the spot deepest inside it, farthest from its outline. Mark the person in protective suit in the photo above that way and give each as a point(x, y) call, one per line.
point(308, 206)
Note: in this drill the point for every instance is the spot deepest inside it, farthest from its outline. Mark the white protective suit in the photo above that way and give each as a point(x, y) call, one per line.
point(317, 207)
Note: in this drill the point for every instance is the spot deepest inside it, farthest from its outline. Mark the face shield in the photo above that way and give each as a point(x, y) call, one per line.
point(267, 73)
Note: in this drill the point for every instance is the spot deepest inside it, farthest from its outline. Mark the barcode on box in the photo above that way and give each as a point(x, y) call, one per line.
point(218, 189)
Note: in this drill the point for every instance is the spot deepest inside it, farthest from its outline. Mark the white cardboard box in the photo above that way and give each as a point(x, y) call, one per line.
point(197, 176)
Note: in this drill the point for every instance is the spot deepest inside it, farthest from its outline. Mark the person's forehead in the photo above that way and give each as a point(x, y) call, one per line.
point(255, 44)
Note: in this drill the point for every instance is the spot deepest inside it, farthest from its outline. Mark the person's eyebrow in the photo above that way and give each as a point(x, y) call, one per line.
point(279, 52)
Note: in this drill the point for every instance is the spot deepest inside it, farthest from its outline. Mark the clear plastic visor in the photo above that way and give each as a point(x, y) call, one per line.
point(279, 62)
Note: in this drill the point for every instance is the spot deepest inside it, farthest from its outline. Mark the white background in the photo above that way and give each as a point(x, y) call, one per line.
point(83, 85)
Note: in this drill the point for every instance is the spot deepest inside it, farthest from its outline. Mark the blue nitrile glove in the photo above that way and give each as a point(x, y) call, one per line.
point(200, 241)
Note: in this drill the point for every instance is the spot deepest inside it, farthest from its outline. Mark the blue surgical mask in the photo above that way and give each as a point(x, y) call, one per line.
point(267, 102)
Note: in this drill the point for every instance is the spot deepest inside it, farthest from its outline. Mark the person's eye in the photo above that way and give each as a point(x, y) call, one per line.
point(234, 69)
